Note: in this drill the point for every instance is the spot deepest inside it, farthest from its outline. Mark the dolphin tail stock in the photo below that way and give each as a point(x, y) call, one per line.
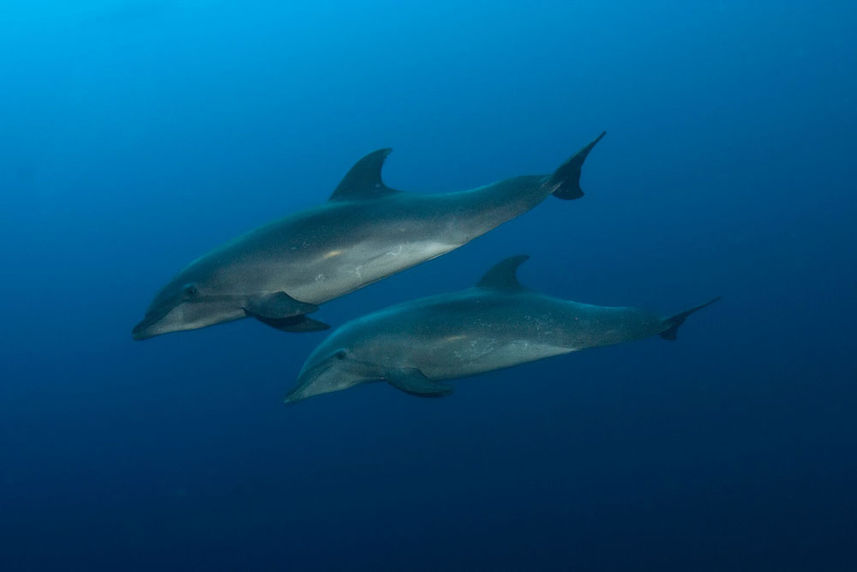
point(565, 181)
point(673, 322)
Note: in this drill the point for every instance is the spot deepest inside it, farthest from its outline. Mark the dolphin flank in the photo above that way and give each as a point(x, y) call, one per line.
point(417, 346)
point(282, 271)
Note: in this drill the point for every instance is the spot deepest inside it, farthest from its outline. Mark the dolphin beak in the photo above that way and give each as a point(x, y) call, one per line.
point(139, 332)
point(292, 398)
point(297, 392)
point(305, 382)
point(145, 329)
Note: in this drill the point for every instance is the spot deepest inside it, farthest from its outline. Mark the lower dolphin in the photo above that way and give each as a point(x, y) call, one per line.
point(366, 231)
point(417, 346)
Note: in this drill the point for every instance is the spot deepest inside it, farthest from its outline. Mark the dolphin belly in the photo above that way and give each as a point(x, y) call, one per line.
point(481, 356)
point(339, 272)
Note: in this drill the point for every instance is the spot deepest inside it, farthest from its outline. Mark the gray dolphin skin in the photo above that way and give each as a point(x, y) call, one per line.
point(417, 346)
point(367, 231)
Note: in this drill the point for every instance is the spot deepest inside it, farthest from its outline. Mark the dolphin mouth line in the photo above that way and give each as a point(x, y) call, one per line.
point(138, 332)
point(305, 379)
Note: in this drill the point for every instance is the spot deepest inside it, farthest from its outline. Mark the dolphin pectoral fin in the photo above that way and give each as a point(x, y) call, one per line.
point(294, 324)
point(565, 181)
point(305, 324)
point(277, 306)
point(413, 382)
point(673, 322)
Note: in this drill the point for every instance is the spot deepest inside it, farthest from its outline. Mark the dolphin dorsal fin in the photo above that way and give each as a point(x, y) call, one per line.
point(503, 275)
point(363, 180)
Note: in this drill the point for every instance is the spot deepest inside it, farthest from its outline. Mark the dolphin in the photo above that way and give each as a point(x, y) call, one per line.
point(417, 346)
point(366, 231)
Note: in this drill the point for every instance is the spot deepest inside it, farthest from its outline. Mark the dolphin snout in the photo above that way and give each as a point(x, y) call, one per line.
point(293, 397)
point(139, 332)
point(298, 392)
point(146, 328)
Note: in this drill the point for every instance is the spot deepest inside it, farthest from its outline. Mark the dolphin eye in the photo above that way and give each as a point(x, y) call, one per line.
point(191, 291)
point(340, 354)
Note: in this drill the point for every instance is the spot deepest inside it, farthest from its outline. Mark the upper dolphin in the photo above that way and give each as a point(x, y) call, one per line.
point(416, 346)
point(367, 231)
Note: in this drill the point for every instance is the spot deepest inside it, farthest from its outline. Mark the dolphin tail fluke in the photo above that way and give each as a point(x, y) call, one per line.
point(673, 322)
point(565, 181)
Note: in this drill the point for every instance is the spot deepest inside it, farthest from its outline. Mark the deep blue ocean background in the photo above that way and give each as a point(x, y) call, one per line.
point(136, 135)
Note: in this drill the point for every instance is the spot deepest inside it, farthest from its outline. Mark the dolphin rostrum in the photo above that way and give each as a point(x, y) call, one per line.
point(417, 346)
point(367, 231)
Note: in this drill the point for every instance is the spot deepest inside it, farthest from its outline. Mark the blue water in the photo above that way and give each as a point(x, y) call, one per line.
point(137, 135)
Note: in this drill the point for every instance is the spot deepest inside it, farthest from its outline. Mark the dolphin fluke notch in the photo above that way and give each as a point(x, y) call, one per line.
point(565, 181)
point(363, 180)
point(673, 322)
point(504, 274)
